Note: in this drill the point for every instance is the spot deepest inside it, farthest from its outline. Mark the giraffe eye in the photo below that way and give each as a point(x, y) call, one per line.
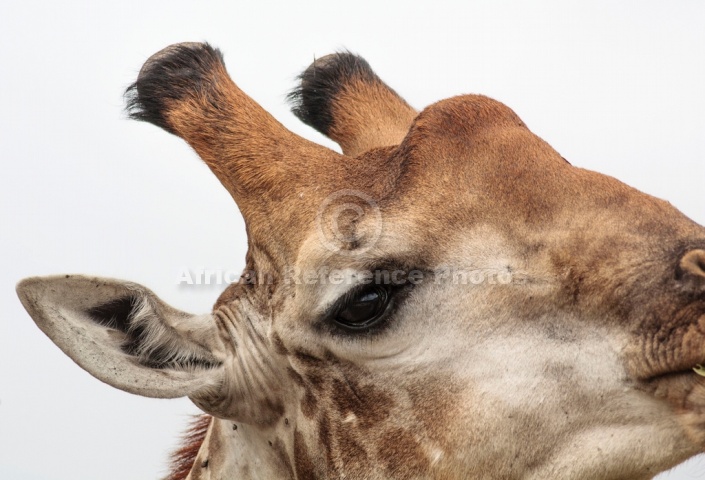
point(363, 308)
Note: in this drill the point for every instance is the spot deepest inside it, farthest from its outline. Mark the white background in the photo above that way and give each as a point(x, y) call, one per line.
point(614, 86)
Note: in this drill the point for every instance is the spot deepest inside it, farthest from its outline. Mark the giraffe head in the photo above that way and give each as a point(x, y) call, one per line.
point(448, 298)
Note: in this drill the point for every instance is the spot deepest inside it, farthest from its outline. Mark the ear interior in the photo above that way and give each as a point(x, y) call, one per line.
point(146, 339)
point(124, 335)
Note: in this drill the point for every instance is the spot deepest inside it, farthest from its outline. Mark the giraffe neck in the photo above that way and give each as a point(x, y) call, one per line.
point(242, 451)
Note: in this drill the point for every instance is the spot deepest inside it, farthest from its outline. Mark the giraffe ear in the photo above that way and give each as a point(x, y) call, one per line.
point(122, 334)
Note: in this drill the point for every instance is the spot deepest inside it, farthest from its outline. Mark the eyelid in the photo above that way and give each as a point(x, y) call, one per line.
point(343, 299)
point(396, 294)
point(335, 292)
point(347, 282)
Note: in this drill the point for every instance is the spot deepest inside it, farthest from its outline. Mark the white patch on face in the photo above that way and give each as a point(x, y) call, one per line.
point(510, 368)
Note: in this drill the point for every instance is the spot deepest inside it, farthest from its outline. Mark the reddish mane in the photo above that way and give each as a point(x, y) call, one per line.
point(183, 458)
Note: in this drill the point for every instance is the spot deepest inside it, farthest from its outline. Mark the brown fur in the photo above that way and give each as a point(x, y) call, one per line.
point(369, 115)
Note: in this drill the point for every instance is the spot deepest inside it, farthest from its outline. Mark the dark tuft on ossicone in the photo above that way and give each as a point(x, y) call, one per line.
point(179, 70)
point(321, 83)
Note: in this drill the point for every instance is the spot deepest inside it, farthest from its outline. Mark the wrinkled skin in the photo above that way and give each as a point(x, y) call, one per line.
point(548, 330)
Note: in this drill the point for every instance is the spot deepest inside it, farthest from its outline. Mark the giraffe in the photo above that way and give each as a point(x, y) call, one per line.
point(447, 298)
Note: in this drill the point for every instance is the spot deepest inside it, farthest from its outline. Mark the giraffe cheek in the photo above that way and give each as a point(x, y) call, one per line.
point(250, 393)
point(251, 387)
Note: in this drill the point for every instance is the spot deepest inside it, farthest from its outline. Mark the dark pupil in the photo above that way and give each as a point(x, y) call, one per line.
point(364, 308)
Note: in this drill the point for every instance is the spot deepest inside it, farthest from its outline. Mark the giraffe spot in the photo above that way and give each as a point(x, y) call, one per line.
point(401, 455)
point(435, 404)
point(302, 461)
point(279, 346)
point(308, 404)
point(353, 456)
point(316, 380)
point(294, 375)
point(275, 407)
point(369, 404)
point(326, 439)
point(285, 460)
point(307, 358)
